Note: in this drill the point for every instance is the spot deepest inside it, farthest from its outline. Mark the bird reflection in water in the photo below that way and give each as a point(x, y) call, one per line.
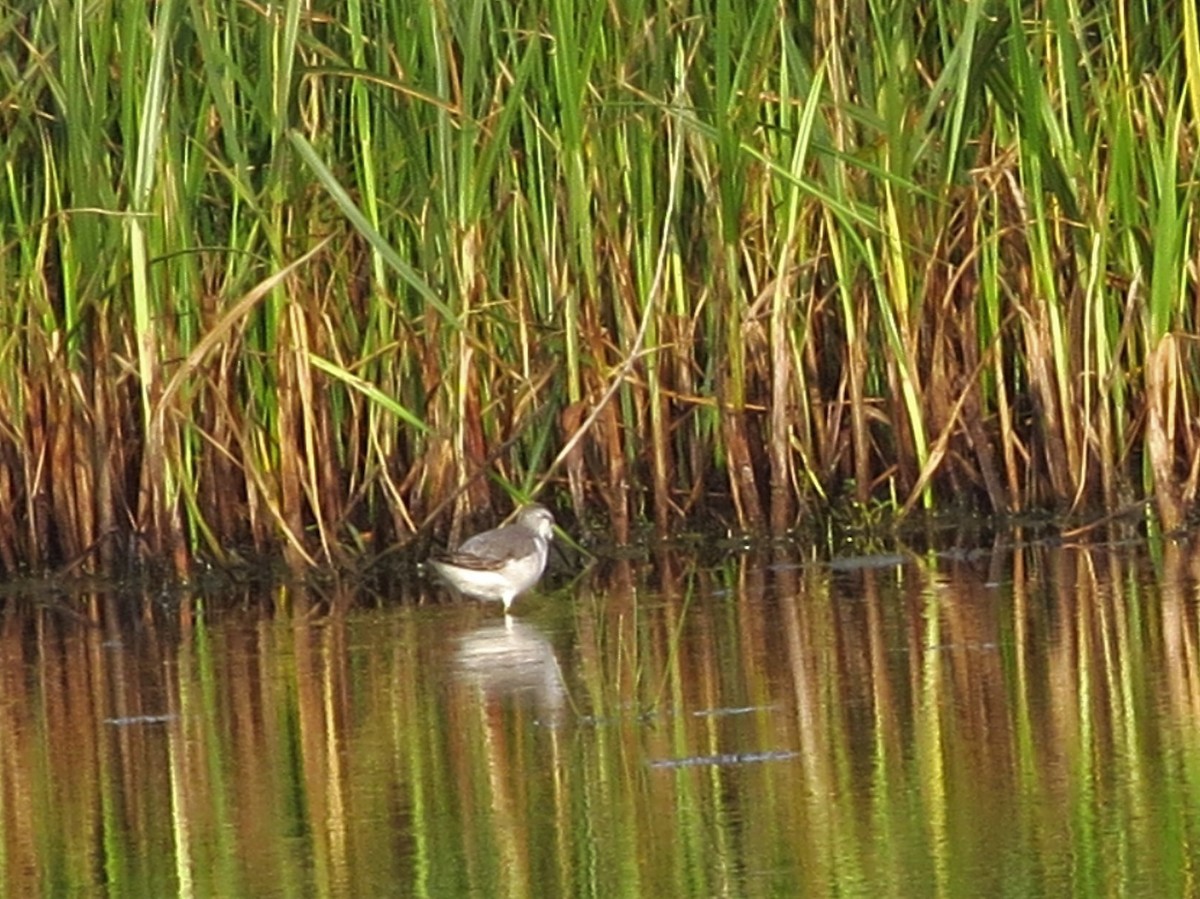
point(513, 660)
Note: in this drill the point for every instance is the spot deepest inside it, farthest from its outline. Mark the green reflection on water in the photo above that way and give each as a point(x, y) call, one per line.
point(1021, 724)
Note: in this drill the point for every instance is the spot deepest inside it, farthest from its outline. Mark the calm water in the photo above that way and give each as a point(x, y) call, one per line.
point(1011, 722)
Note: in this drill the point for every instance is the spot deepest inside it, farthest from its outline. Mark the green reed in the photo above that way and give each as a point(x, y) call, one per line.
point(672, 260)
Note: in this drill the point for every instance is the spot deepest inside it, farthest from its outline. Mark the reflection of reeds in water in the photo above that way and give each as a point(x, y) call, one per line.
point(859, 727)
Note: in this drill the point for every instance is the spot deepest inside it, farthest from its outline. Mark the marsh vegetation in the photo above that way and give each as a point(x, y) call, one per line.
point(297, 277)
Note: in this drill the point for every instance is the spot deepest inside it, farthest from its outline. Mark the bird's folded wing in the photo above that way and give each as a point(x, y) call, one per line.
point(474, 562)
